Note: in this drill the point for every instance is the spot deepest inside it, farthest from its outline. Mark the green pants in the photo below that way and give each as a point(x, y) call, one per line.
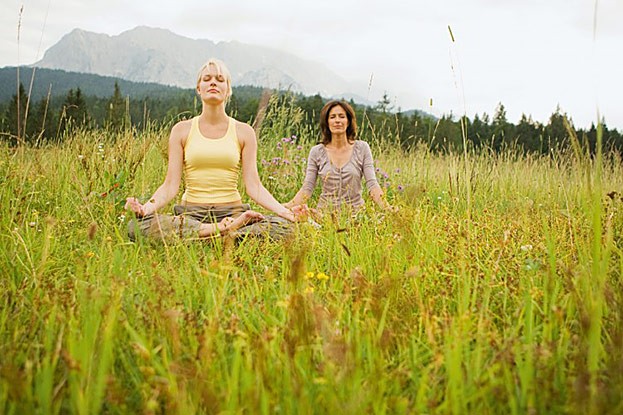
point(188, 219)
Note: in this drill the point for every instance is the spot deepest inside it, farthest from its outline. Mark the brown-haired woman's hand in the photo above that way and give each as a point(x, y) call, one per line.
point(289, 215)
point(301, 212)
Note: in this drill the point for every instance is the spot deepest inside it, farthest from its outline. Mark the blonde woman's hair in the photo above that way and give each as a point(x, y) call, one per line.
point(221, 69)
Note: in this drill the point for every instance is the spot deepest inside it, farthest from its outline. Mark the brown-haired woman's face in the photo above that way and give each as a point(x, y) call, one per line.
point(337, 120)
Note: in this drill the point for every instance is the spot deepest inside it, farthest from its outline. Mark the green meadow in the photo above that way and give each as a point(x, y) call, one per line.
point(496, 288)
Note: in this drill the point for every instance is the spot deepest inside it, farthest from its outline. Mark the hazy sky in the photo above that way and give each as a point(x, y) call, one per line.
point(530, 55)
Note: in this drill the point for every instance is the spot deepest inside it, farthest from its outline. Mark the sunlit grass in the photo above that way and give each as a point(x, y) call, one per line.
point(516, 309)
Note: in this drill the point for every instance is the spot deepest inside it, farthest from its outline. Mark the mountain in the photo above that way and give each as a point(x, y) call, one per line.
point(146, 54)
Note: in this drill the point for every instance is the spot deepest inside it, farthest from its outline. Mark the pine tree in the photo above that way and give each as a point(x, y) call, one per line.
point(44, 127)
point(116, 110)
point(73, 113)
point(528, 135)
point(500, 127)
point(14, 116)
point(555, 131)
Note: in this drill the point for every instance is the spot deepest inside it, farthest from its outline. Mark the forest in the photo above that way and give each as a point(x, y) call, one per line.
point(37, 116)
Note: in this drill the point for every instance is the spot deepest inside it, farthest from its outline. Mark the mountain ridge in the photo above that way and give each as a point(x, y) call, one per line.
point(148, 54)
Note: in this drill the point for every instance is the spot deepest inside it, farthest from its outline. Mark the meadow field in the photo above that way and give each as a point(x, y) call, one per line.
point(495, 289)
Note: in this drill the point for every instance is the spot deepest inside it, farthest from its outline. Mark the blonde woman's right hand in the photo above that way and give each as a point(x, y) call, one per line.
point(132, 204)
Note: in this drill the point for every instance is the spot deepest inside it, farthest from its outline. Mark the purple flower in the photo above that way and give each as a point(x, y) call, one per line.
point(397, 170)
point(400, 188)
point(286, 139)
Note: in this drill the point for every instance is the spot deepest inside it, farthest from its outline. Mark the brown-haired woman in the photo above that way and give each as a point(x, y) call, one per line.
point(341, 161)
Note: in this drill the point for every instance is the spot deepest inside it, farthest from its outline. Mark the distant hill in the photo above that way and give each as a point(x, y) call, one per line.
point(420, 113)
point(61, 82)
point(146, 54)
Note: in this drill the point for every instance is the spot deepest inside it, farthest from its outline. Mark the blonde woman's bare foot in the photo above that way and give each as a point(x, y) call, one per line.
point(229, 224)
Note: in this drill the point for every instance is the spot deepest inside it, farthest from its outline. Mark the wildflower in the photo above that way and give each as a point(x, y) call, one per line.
point(299, 147)
point(89, 254)
point(80, 156)
point(526, 248)
point(400, 188)
point(309, 275)
point(286, 139)
point(322, 276)
point(397, 170)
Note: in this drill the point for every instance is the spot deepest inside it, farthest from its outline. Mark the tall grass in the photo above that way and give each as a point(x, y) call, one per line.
point(517, 310)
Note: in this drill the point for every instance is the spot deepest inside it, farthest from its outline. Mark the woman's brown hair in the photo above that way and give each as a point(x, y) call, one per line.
point(351, 130)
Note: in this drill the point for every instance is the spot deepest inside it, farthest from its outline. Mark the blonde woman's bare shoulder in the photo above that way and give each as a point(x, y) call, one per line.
point(244, 131)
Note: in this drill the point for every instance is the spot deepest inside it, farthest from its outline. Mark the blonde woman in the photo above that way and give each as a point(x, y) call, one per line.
point(211, 151)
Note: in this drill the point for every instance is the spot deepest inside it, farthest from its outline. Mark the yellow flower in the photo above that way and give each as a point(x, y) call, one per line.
point(322, 276)
point(309, 275)
point(90, 254)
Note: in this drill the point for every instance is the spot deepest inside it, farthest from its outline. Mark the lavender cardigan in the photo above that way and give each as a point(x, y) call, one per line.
point(340, 186)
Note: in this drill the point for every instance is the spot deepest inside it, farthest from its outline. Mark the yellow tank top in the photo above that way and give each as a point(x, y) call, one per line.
point(211, 166)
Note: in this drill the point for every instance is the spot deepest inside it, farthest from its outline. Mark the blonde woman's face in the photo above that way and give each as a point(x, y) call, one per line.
point(212, 85)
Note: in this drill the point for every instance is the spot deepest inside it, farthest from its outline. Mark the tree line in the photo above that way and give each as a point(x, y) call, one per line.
point(50, 119)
